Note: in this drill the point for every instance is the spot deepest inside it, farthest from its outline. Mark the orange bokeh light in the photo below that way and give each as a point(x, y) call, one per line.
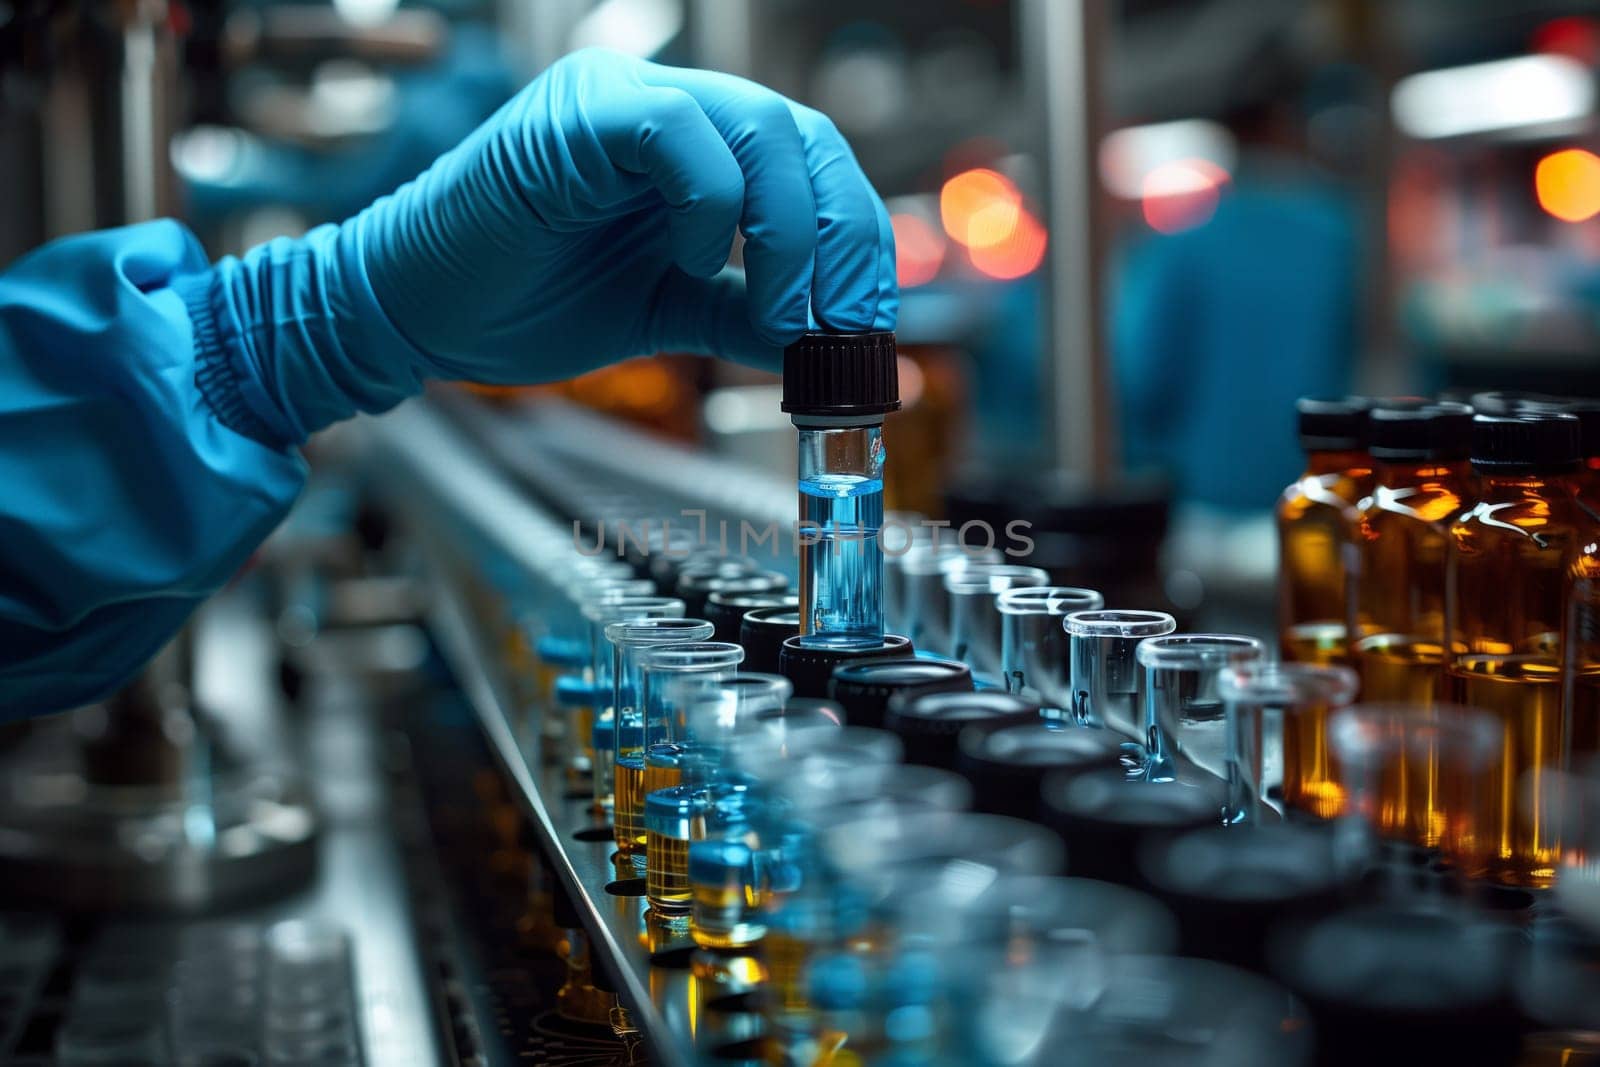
point(980, 208)
point(1567, 184)
point(1182, 194)
point(918, 250)
point(1018, 254)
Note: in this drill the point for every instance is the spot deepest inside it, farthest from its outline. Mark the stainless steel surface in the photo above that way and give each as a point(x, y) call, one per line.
point(1063, 42)
point(360, 881)
point(209, 838)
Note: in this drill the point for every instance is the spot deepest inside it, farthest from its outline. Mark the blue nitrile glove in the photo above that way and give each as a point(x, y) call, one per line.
point(587, 221)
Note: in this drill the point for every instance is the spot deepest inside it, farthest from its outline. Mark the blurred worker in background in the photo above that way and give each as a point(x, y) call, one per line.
point(1217, 329)
point(435, 106)
point(152, 403)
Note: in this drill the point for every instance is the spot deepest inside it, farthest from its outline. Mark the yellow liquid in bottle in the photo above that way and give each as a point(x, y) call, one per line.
point(1395, 667)
point(1523, 694)
point(1311, 781)
point(1513, 554)
point(1314, 518)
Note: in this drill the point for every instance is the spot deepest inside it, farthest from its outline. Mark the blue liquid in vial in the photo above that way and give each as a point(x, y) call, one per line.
point(841, 573)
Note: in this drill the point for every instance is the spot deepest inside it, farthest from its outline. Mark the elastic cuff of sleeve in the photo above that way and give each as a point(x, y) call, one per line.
point(215, 374)
point(367, 328)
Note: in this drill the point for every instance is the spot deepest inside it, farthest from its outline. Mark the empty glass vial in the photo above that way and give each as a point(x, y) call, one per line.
point(972, 592)
point(1034, 658)
point(1423, 775)
point(1314, 524)
point(628, 640)
point(1510, 567)
point(1401, 540)
point(837, 388)
point(927, 605)
point(1105, 675)
point(677, 680)
point(1278, 755)
point(1184, 719)
point(737, 705)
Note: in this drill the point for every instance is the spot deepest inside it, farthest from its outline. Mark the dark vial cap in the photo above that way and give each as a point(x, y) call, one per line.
point(1530, 443)
point(1230, 886)
point(1008, 762)
point(841, 376)
point(762, 633)
point(811, 669)
point(1403, 986)
point(1417, 432)
point(864, 689)
point(1106, 820)
point(726, 610)
point(1332, 424)
point(931, 723)
point(1587, 411)
point(1157, 1010)
point(696, 588)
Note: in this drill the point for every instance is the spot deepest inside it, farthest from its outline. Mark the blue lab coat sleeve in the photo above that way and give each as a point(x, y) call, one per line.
point(125, 499)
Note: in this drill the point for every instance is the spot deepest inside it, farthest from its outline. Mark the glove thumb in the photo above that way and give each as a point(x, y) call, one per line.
point(710, 316)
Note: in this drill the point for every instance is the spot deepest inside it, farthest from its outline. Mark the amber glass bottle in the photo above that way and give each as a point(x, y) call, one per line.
point(1314, 527)
point(1511, 559)
point(1402, 535)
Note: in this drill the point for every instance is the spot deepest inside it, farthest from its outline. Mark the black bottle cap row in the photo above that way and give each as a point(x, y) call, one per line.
point(1417, 431)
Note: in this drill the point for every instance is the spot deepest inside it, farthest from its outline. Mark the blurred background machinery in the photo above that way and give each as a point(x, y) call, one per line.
point(1130, 234)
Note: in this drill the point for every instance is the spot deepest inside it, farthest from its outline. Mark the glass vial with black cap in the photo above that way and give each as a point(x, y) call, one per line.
point(1400, 544)
point(837, 388)
point(1314, 517)
point(1510, 561)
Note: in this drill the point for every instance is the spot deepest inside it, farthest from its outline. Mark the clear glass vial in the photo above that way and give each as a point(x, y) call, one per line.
point(1033, 645)
point(837, 388)
point(1184, 720)
point(972, 593)
point(1105, 675)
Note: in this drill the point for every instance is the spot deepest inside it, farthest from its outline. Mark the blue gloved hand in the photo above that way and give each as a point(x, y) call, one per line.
point(587, 221)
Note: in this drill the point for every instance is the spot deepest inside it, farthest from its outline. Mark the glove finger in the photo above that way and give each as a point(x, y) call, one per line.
point(855, 285)
point(664, 135)
point(779, 219)
point(711, 317)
